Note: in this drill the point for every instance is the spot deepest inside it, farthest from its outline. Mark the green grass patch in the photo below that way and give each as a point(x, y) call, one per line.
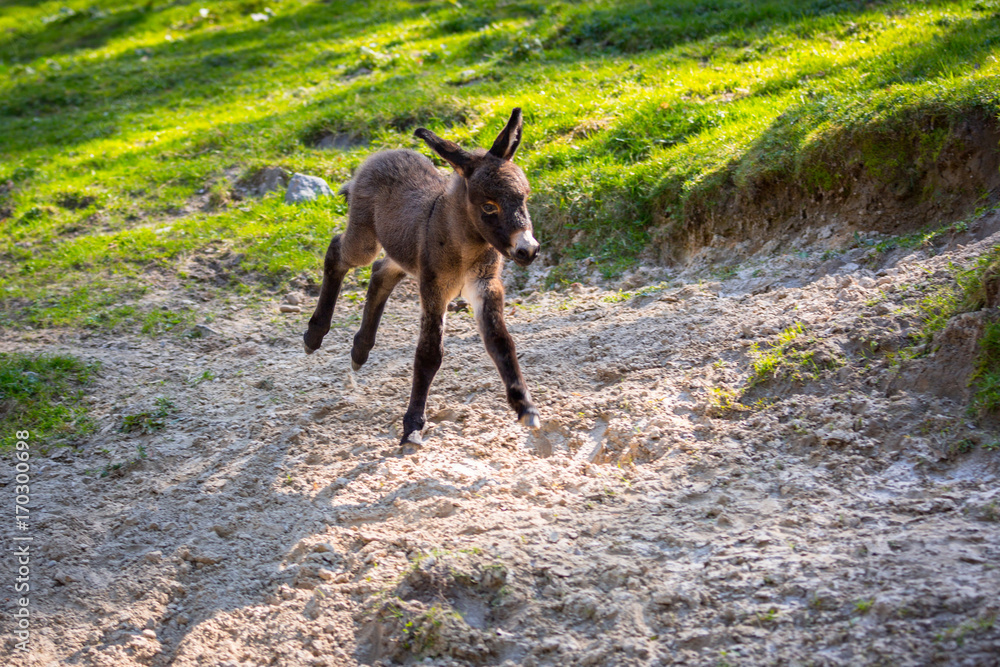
point(625, 295)
point(149, 421)
point(793, 356)
point(973, 288)
point(128, 132)
point(986, 379)
point(43, 395)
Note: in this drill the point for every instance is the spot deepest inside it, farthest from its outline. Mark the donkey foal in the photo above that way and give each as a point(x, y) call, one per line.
point(452, 234)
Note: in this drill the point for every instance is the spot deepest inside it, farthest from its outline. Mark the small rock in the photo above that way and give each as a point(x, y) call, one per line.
point(270, 179)
point(149, 634)
point(550, 644)
point(446, 415)
point(154, 557)
point(293, 299)
point(222, 530)
point(664, 596)
point(306, 188)
point(442, 508)
point(203, 331)
point(64, 578)
point(288, 308)
point(185, 553)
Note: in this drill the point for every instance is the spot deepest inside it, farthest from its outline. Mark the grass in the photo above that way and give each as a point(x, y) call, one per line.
point(625, 295)
point(128, 130)
point(793, 356)
point(971, 626)
point(924, 238)
point(986, 379)
point(973, 288)
point(43, 396)
point(149, 421)
point(772, 362)
point(864, 605)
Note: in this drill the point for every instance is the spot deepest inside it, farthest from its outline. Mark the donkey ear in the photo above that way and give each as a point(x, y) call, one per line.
point(508, 139)
point(454, 154)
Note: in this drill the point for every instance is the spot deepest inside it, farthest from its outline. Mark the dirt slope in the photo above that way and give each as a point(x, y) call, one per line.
point(843, 520)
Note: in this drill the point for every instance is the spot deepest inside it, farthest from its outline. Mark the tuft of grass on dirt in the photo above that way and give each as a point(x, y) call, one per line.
point(43, 395)
point(130, 135)
point(793, 356)
point(986, 379)
point(149, 421)
point(973, 288)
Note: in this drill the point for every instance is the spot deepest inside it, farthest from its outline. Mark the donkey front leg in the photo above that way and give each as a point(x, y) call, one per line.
point(486, 297)
point(430, 350)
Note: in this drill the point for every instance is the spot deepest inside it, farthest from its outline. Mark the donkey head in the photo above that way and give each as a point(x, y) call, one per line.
point(496, 190)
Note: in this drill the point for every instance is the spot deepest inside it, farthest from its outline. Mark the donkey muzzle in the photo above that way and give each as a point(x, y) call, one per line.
point(524, 248)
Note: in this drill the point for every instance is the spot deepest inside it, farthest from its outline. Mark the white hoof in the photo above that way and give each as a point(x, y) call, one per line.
point(308, 349)
point(531, 420)
point(415, 438)
point(355, 366)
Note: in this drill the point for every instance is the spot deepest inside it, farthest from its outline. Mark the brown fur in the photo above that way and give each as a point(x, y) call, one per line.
point(452, 234)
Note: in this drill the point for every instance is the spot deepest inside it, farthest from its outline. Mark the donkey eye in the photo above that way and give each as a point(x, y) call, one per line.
point(490, 208)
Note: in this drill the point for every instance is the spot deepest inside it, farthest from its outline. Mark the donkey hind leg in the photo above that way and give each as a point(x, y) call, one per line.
point(486, 297)
point(355, 247)
point(334, 270)
point(386, 274)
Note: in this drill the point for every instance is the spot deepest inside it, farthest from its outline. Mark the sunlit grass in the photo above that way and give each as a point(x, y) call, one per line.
point(41, 398)
point(115, 116)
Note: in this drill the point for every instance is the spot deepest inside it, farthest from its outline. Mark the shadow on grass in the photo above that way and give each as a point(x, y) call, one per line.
point(90, 97)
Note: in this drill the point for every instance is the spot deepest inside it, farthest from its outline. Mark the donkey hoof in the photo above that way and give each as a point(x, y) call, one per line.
point(413, 438)
point(309, 350)
point(355, 366)
point(531, 420)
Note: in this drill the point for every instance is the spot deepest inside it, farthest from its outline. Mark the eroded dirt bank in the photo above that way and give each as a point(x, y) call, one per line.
point(848, 519)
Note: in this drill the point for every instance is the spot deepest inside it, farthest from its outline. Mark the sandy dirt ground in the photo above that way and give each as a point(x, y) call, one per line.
point(850, 516)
